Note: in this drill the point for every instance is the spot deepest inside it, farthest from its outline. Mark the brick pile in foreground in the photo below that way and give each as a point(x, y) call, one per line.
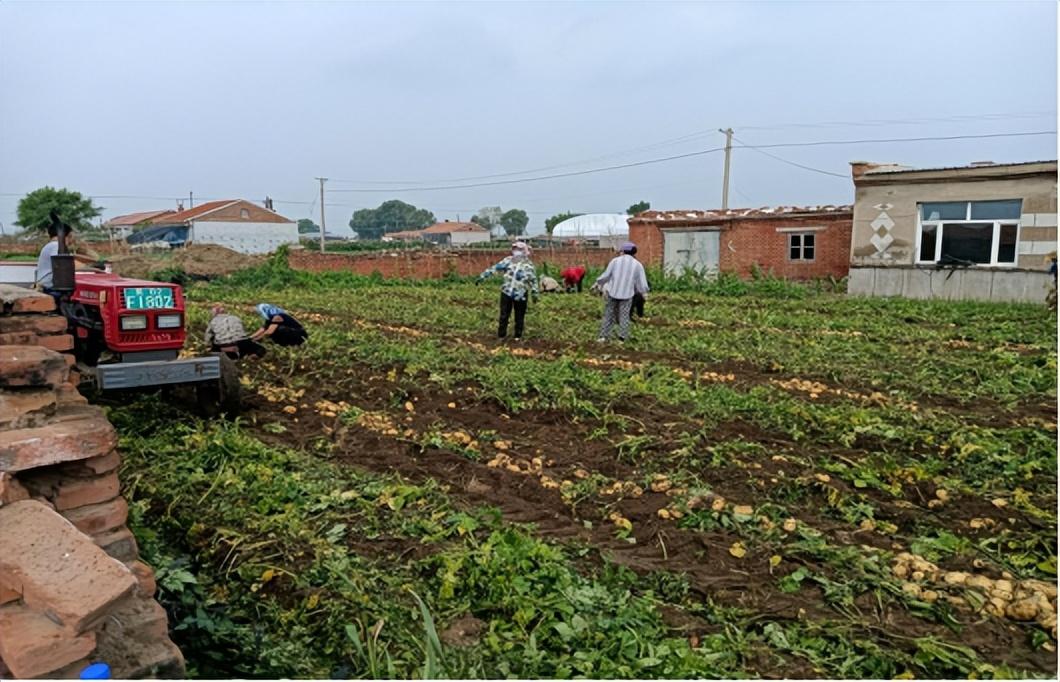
point(72, 588)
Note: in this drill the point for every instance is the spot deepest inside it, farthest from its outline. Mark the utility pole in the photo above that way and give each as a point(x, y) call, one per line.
point(725, 180)
point(191, 200)
point(322, 181)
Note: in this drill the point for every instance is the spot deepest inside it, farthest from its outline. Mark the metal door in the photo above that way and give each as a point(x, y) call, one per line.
point(696, 251)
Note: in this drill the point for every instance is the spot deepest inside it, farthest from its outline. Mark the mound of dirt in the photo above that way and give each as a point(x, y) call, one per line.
point(204, 261)
point(210, 260)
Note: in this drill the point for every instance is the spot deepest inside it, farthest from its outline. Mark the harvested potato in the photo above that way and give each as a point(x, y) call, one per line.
point(1022, 610)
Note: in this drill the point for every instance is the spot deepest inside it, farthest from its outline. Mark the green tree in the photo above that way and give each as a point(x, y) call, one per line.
point(639, 207)
point(75, 209)
point(551, 223)
point(305, 225)
point(390, 216)
point(488, 217)
point(514, 222)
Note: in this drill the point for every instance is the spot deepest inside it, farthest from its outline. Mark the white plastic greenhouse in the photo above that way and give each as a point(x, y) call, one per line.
point(599, 226)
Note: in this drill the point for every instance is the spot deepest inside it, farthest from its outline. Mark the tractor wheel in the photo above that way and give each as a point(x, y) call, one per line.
point(230, 392)
point(224, 395)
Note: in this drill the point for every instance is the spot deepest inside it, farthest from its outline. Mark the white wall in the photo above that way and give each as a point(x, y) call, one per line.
point(245, 237)
point(458, 238)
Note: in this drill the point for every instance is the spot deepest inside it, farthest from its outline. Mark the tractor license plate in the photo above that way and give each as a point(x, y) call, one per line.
point(147, 298)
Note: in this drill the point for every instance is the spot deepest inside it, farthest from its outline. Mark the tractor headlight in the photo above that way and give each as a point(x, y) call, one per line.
point(133, 322)
point(168, 321)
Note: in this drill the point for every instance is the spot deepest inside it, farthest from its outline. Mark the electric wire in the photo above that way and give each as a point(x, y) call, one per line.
point(744, 145)
point(688, 155)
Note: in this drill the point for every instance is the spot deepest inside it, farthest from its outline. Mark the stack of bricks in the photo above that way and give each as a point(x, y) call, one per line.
point(72, 588)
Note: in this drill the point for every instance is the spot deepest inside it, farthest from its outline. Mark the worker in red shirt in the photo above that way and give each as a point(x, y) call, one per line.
point(572, 278)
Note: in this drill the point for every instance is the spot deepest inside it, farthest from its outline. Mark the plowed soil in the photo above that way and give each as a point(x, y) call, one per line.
point(566, 445)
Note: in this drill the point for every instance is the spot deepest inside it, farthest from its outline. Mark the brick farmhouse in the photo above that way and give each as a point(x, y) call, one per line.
point(789, 242)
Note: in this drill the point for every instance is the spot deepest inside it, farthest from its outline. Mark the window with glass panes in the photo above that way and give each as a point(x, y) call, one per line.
point(801, 246)
point(969, 232)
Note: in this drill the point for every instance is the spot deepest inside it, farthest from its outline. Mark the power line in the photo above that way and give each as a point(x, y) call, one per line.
point(790, 163)
point(908, 121)
point(710, 131)
point(655, 145)
point(541, 177)
point(696, 153)
point(904, 139)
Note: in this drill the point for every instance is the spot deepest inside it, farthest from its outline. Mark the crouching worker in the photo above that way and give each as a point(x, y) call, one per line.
point(225, 334)
point(549, 285)
point(572, 278)
point(279, 326)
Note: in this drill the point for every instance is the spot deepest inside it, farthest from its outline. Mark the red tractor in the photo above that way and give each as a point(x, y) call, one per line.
point(128, 333)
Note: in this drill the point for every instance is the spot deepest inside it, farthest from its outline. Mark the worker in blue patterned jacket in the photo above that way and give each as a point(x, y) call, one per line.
point(520, 284)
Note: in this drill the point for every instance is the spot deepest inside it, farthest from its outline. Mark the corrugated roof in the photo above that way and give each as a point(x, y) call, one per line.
point(732, 213)
point(136, 218)
point(891, 170)
point(448, 227)
point(193, 213)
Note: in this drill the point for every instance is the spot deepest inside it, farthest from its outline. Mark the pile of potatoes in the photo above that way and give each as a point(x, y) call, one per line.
point(1018, 600)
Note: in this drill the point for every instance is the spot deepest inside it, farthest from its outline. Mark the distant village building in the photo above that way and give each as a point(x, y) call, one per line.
point(122, 226)
point(455, 233)
point(786, 241)
point(236, 224)
point(444, 233)
point(606, 230)
point(971, 232)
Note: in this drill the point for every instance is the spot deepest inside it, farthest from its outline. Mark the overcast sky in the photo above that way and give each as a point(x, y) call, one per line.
point(244, 100)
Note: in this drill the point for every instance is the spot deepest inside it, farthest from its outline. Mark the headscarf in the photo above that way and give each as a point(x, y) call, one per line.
point(520, 250)
point(268, 311)
point(628, 247)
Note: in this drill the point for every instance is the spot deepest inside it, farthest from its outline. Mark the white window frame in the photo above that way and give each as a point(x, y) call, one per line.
point(995, 237)
point(802, 246)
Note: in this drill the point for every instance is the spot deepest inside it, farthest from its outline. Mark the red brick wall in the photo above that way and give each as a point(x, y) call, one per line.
point(758, 243)
point(747, 243)
point(427, 265)
point(649, 240)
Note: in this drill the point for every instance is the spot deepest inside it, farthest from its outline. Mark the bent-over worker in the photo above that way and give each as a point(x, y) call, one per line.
point(279, 326)
point(226, 334)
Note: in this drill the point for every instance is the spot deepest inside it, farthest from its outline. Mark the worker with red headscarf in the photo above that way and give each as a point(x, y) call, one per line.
point(572, 278)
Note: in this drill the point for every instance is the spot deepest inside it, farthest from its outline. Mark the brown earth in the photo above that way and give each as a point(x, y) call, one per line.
point(658, 545)
point(198, 260)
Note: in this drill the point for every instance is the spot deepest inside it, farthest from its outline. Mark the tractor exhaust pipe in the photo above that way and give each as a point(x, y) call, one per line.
point(63, 263)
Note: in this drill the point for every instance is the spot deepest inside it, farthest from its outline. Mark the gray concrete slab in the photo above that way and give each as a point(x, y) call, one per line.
point(861, 281)
point(889, 281)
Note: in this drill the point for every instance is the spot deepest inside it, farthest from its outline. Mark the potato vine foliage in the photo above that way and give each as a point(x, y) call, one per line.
point(730, 494)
